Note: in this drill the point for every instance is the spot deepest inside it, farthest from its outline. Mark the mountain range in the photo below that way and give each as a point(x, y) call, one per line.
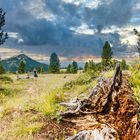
point(11, 64)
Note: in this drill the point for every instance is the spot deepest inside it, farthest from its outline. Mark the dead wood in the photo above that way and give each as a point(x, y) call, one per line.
point(109, 111)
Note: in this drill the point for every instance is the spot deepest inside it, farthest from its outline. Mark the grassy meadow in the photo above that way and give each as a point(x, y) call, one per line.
point(26, 103)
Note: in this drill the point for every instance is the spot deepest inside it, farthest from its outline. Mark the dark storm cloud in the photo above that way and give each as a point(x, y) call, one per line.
point(42, 35)
point(117, 12)
point(67, 13)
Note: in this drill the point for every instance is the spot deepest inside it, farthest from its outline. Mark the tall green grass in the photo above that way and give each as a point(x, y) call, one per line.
point(135, 82)
point(135, 79)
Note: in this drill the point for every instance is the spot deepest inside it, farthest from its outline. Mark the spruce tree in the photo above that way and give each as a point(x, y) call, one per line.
point(22, 67)
point(69, 68)
point(106, 54)
point(74, 68)
point(54, 66)
point(123, 64)
point(86, 67)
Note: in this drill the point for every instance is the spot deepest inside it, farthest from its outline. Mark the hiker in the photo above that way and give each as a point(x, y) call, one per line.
point(35, 73)
point(17, 73)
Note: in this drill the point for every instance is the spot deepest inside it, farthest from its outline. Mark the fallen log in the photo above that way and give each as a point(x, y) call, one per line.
point(109, 112)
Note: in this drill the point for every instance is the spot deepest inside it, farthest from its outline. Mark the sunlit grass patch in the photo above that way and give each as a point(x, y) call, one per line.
point(135, 82)
point(49, 104)
point(108, 74)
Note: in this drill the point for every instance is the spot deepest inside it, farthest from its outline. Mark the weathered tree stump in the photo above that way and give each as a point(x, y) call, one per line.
point(109, 113)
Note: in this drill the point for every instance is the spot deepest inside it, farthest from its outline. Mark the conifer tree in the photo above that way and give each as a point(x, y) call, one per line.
point(123, 64)
point(74, 67)
point(106, 54)
point(69, 68)
point(86, 67)
point(22, 67)
point(54, 66)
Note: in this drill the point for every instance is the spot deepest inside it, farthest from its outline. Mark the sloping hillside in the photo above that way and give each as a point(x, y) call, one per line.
point(11, 64)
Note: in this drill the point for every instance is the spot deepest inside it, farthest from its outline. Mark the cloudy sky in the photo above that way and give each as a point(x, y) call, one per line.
point(72, 28)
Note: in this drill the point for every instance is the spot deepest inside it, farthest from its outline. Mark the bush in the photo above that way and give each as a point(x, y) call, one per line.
point(3, 93)
point(6, 79)
point(84, 79)
point(49, 104)
point(135, 76)
point(135, 82)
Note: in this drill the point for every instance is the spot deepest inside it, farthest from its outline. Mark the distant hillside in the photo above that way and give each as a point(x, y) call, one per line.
point(11, 64)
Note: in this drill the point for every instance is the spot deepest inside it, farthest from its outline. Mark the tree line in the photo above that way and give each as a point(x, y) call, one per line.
point(55, 66)
point(107, 61)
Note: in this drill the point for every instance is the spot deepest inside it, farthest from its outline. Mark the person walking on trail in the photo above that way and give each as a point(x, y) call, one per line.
point(35, 73)
point(17, 73)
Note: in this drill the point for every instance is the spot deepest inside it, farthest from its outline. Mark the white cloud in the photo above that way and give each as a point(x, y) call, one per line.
point(86, 3)
point(76, 2)
point(126, 33)
point(20, 40)
point(93, 4)
point(83, 29)
point(13, 35)
point(38, 10)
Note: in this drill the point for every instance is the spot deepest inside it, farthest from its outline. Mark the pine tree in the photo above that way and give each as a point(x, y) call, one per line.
point(3, 36)
point(106, 54)
point(86, 67)
point(54, 66)
point(22, 67)
point(123, 64)
point(2, 70)
point(69, 68)
point(74, 67)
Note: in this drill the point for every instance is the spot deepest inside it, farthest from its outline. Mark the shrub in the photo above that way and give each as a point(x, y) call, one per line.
point(84, 79)
point(135, 82)
point(135, 76)
point(6, 79)
point(49, 104)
